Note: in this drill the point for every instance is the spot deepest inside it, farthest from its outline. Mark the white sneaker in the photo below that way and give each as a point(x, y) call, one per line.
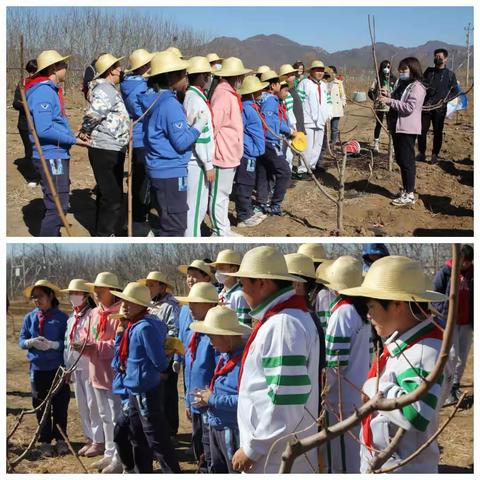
point(102, 463)
point(114, 467)
point(252, 221)
point(376, 145)
point(404, 199)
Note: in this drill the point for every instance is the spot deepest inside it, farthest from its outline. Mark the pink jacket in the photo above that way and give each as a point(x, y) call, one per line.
point(227, 126)
point(409, 109)
point(101, 355)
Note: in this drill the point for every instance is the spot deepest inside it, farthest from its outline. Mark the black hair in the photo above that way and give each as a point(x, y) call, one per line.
point(48, 291)
point(311, 291)
point(297, 64)
point(109, 69)
point(467, 252)
point(334, 69)
point(198, 270)
point(207, 260)
point(413, 64)
point(381, 74)
point(441, 50)
point(31, 66)
point(192, 78)
point(158, 82)
point(91, 302)
point(418, 308)
point(360, 304)
point(282, 284)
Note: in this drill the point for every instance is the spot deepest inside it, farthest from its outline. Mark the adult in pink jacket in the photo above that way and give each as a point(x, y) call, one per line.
point(405, 122)
point(228, 131)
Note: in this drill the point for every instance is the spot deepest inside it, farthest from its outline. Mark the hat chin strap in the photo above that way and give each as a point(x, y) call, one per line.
point(420, 308)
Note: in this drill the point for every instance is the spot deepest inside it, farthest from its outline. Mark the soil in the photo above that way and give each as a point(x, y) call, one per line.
point(456, 441)
point(444, 190)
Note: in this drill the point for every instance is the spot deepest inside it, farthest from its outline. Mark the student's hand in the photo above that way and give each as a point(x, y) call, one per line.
point(294, 133)
point(384, 92)
point(188, 414)
point(210, 174)
point(240, 462)
point(203, 396)
point(82, 143)
point(385, 100)
point(176, 366)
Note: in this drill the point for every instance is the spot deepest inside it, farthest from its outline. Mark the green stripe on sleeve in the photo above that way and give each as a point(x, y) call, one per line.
point(329, 338)
point(419, 422)
point(294, 399)
point(204, 140)
point(335, 352)
point(415, 373)
point(342, 363)
point(288, 380)
point(286, 361)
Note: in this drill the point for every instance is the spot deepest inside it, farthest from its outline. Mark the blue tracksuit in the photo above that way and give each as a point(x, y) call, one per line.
point(54, 329)
point(253, 134)
point(269, 104)
point(118, 386)
point(53, 130)
point(184, 332)
point(168, 139)
point(146, 355)
point(132, 87)
point(373, 249)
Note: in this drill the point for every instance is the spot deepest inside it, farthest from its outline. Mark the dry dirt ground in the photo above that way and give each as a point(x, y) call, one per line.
point(445, 190)
point(456, 441)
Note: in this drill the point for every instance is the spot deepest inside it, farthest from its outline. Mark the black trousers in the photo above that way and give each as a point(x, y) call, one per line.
point(27, 145)
point(378, 124)
point(223, 444)
point(243, 188)
point(437, 119)
point(140, 187)
point(41, 381)
point(404, 147)
point(272, 163)
point(201, 442)
point(107, 166)
point(171, 400)
point(149, 426)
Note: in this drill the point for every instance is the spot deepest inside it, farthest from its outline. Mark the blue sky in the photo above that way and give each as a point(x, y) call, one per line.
point(332, 28)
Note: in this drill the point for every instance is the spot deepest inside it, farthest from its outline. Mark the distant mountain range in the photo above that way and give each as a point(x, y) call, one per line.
point(275, 50)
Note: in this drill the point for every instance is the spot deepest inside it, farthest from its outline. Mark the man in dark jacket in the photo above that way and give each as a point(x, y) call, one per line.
point(463, 334)
point(441, 85)
point(372, 252)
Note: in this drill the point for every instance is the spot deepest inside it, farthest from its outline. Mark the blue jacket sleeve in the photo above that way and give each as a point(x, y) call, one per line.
point(181, 136)
point(153, 344)
point(254, 129)
point(116, 355)
point(270, 110)
point(223, 402)
point(285, 127)
point(132, 102)
point(25, 332)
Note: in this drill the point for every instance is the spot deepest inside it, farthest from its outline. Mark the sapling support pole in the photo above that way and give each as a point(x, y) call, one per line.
point(129, 183)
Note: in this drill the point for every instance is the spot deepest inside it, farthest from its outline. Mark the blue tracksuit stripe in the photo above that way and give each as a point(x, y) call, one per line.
point(254, 136)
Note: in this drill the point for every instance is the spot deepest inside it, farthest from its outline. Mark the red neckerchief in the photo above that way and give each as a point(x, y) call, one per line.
point(192, 346)
point(42, 318)
point(376, 370)
point(123, 351)
point(239, 100)
point(33, 80)
point(221, 370)
point(282, 112)
point(296, 302)
point(342, 301)
point(319, 89)
point(256, 107)
point(102, 324)
point(76, 314)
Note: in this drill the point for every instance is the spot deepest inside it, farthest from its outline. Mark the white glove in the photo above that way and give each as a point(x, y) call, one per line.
point(176, 366)
point(200, 121)
point(38, 343)
point(52, 344)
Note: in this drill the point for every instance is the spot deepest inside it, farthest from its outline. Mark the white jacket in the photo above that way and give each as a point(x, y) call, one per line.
point(324, 299)
point(279, 388)
point(203, 149)
point(235, 300)
point(290, 114)
point(339, 99)
point(316, 111)
point(69, 355)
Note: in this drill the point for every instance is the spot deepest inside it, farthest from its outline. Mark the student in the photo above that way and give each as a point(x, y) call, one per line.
point(215, 62)
point(132, 86)
point(46, 103)
point(284, 344)
point(231, 295)
point(200, 167)
point(348, 347)
point(387, 81)
point(200, 361)
point(441, 86)
point(371, 252)
point(325, 296)
point(339, 101)
point(273, 162)
point(89, 74)
point(227, 337)
point(253, 148)
point(42, 334)
point(398, 308)
point(168, 143)
point(300, 75)
point(261, 70)
point(405, 122)
point(82, 303)
point(143, 358)
point(228, 131)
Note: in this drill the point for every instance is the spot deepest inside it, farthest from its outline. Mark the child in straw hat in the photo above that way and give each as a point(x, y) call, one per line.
point(325, 295)
point(397, 303)
point(221, 397)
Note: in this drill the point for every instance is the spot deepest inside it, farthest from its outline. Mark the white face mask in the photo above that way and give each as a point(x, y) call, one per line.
point(218, 66)
point(220, 277)
point(77, 299)
point(386, 70)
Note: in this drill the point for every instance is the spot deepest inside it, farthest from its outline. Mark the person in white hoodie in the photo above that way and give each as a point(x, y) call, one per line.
point(200, 167)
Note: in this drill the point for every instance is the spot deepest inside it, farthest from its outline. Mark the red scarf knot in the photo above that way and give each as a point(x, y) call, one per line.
point(319, 89)
point(76, 314)
point(124, 342)
point(192, 346)
point(42, 318)
point(221, 370)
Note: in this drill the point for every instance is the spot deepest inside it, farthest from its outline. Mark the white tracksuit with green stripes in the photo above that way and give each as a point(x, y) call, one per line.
point(347, 342)
point(234, 299)
point(324, 299)
point(200, 162)
point(279, 389)
point(293, 122)
point(403, 372)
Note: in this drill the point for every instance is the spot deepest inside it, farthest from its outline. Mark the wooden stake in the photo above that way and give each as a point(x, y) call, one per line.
point(74, 453)
point(129, 183)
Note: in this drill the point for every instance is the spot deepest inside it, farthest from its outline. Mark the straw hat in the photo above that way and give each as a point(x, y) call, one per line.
point(287, 69)
point(265, 262)
point(176, 51)
point(220, 320)
point(165, 62)
point(139, 58)
point(251, 84)
point(104, 62)
point(49, 57)
point(316, 64)
point(77, 285)
point(344, 272)
point(395, 278)
point(269, 75)
point(198, 65)
point(321, 272)
point(229, 257)
point(313, 250)
point(262, 69)
point(213, 57)
point(158, 277)
point(201, 292)
point(105, 279)
point(299, 264)
point(136, 293)
point(232, 67)
point(41, 283)
point(199, 265)
point(300, 142)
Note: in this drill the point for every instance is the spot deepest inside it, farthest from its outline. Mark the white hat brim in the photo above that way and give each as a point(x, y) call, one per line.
point(403, 296)
point(267, 276)
point(122, 296)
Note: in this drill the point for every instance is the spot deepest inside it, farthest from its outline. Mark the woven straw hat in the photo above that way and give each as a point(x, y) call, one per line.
point(287, 69)
point(176, 51)
point(262, 69)
point(49, 57)
point(199, 265)
point(201, 292)
point(316, 64)
point(213, 57)
point(158, 277)
point(299, 264)
point(300, 142)
point(77, 285)
point(139, 58)
point(313, 250)
point(106, 279)
point(41, 283)
point(251, 84)
point(321, 272)
point(165, 62)
point(228, 256)
point(104, 62)
point(198, 65)
point(136, 293)
point(220, 320)
point(344, 272)
point(395, 278)
point(232, 67)
point(264, 262)
point(269, 75)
